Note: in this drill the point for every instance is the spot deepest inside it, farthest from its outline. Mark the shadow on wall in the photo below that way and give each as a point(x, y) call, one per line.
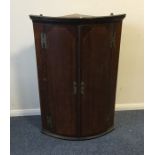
point(24, 84)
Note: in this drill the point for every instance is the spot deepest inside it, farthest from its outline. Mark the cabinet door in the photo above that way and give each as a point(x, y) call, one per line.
point(98, 76)
point(58, 57)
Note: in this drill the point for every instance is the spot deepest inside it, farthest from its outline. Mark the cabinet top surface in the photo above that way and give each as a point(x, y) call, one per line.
point(76, 15)
point(76, 18)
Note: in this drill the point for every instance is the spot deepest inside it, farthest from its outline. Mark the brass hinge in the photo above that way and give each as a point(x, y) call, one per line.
point(43, 40)
point(49, 121)
point(82, 87)
point(113, 38)
point(74, 87)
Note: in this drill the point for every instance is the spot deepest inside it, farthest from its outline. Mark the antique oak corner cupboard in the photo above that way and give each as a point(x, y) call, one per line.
point(77, 62)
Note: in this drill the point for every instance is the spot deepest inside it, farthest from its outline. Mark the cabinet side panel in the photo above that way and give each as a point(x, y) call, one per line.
point(42, 74)
point(114, 60)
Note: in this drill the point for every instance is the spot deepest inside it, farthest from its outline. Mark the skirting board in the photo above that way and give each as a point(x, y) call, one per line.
point(119, 107)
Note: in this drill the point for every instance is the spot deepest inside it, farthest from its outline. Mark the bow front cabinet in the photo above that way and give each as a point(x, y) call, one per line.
point(77, 62)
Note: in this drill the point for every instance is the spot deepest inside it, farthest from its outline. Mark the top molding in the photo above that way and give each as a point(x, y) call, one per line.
point(76, 18)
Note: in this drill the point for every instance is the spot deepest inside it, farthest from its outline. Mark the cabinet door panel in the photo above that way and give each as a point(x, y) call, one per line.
point(59, 65)
point(96, 53)
point(61, 73)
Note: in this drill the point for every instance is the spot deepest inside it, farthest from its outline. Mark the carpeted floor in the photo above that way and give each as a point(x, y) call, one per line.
point(126, 139)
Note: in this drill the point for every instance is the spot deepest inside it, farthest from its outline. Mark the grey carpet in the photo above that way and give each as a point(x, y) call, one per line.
point(126, 139)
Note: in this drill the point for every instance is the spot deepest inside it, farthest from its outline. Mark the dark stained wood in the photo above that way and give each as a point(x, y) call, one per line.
point(114, 59)
point(56, 86)
point(75, 20)
point(80, 53)
point(61, 59)
point(99, 63)
point(95, 73)
point(42, 75)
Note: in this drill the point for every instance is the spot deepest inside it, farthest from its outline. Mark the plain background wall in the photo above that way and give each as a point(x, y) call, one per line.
point(24, 85)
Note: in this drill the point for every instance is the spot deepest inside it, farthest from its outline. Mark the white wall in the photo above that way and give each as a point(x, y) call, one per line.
point(24, 86)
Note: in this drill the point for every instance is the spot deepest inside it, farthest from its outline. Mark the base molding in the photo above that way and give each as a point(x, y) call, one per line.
point(24, 112)
point(118, 107)
point(129, 106)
